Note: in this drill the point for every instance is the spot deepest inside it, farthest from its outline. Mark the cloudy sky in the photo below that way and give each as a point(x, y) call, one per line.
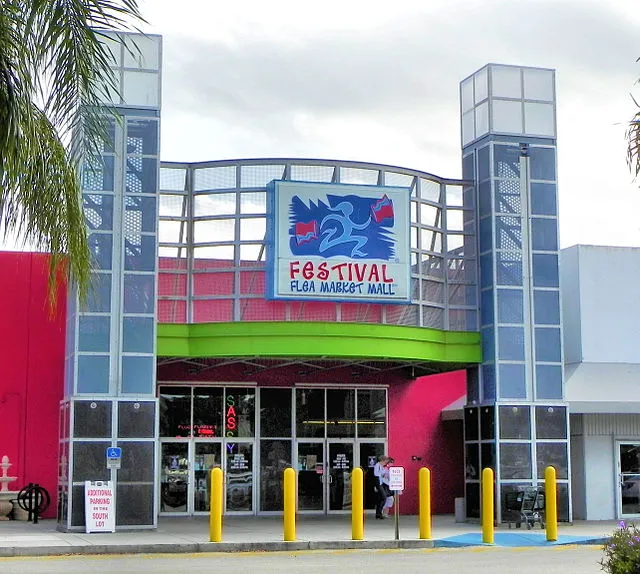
point(378, 81)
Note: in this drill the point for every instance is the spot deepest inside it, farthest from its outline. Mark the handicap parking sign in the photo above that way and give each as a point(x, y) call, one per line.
point(114, 457)
point(114, 452)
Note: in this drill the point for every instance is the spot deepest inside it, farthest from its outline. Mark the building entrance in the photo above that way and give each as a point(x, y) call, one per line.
point(324, 473)
point(253, 434)
point(629, 479)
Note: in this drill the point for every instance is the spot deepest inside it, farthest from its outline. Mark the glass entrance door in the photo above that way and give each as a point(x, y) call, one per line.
point(340, 464)
point(369, 453)
point(629, 479)
point(207, 455)
point(239, 477)
point(311, 476)
point(174, 477)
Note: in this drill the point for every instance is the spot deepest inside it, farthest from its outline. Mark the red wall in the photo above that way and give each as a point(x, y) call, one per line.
point(416, 430)
point(32, 370)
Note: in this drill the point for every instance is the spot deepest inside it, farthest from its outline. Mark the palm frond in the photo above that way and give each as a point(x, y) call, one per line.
point(52, 62)
point(633, 142)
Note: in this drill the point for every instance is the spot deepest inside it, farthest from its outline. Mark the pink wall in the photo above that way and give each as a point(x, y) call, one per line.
point(32, 363)
point(416, 429)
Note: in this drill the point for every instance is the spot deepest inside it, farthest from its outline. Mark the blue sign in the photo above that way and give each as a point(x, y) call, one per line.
point(338, 242)
point(114, 452)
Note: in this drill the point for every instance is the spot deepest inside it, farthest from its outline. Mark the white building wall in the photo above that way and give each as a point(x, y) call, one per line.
point(600, 436)
point(599, 478)
point(609, 278)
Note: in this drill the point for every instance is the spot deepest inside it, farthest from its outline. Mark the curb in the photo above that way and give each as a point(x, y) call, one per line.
point(209, 547)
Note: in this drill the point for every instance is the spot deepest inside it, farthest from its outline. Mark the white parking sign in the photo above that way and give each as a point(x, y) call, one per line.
point(396, 478)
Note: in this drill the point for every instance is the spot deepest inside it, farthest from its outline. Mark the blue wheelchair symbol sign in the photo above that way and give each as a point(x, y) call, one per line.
point(114, 452)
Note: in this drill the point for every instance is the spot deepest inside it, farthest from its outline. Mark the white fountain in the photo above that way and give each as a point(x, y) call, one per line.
point(6, 495)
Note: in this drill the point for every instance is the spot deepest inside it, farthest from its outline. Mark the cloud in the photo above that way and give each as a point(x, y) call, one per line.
point(379, 82)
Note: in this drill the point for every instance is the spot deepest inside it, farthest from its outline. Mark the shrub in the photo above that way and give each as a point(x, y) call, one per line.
point(622, 551)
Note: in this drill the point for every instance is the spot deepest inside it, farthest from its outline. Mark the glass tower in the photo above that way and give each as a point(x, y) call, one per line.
point(516, 419)
point(109, 395)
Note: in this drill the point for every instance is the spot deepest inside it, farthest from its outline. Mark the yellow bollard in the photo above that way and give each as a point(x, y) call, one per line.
point(289, 505)
point(357, 504)
point(487, 506)
point(215, 506)
point(550, 504)
point(424, 487)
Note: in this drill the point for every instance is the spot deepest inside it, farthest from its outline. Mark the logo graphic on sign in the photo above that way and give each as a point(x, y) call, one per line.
point(349, 226)
point(338, 242)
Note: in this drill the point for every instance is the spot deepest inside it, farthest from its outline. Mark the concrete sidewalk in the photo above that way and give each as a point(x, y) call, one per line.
point(245, 534)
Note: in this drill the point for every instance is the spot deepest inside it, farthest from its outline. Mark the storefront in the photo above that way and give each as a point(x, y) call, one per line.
point(255, 433)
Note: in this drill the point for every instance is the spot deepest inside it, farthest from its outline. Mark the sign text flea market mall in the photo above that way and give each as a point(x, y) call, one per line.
point(338, 242)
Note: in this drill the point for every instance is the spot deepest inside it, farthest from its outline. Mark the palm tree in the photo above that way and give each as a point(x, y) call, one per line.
point(52, 61)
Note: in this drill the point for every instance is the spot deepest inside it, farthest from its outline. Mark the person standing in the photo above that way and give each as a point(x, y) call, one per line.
point(382, 489)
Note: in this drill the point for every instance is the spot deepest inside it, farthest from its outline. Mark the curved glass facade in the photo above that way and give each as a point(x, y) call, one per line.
point(212, 225)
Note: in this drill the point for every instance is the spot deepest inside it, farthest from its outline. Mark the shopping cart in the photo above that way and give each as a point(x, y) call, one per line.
point(526, 505)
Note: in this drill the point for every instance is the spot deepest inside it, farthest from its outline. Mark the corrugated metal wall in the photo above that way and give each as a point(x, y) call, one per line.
point(619, 425)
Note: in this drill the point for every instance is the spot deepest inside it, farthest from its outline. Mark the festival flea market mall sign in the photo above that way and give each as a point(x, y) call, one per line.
point(338, 242)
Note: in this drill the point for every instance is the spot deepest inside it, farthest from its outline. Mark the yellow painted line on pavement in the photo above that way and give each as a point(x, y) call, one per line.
point(262, 553)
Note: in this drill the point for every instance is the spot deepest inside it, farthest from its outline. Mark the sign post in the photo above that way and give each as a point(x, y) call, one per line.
point(99, 508)
point(396, 484)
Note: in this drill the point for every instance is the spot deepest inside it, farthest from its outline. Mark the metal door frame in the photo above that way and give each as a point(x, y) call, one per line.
point(254, 490)
point(327, 487)
point(618, 477)
point(323, 442)
point(187, 442)
point(192, 464)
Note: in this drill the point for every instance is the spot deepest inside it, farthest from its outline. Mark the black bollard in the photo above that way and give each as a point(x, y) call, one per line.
point(37, 499)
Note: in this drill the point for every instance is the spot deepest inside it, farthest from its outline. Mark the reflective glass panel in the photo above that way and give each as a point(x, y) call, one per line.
point(549, 381)
point(551, 422)
point(99, 296)
point(239, 476)
point(545, 270)
point(511, 343)
point(138, 374)
point(515, 422)
point(208, 455)
point(207, 412)
point(372, 412)
point(142, 137)
point(139, 293)
point(138, 334)
point(239, 412)
point(100, 246)
point(310, 415)
point(275, 412)
point(93, 374)
point(512, 381)
point(544, 234)
point(93, 333)
point(98, 211)
point(140, 214)
point(546, 307)
point(175, 411)
point(341, 412)
point(552, 454)
point(142, 175)
point(515, 461)
point(140, 253)
point(275, 457)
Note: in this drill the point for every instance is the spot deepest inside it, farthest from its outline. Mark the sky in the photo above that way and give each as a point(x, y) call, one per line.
point(378, 81)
